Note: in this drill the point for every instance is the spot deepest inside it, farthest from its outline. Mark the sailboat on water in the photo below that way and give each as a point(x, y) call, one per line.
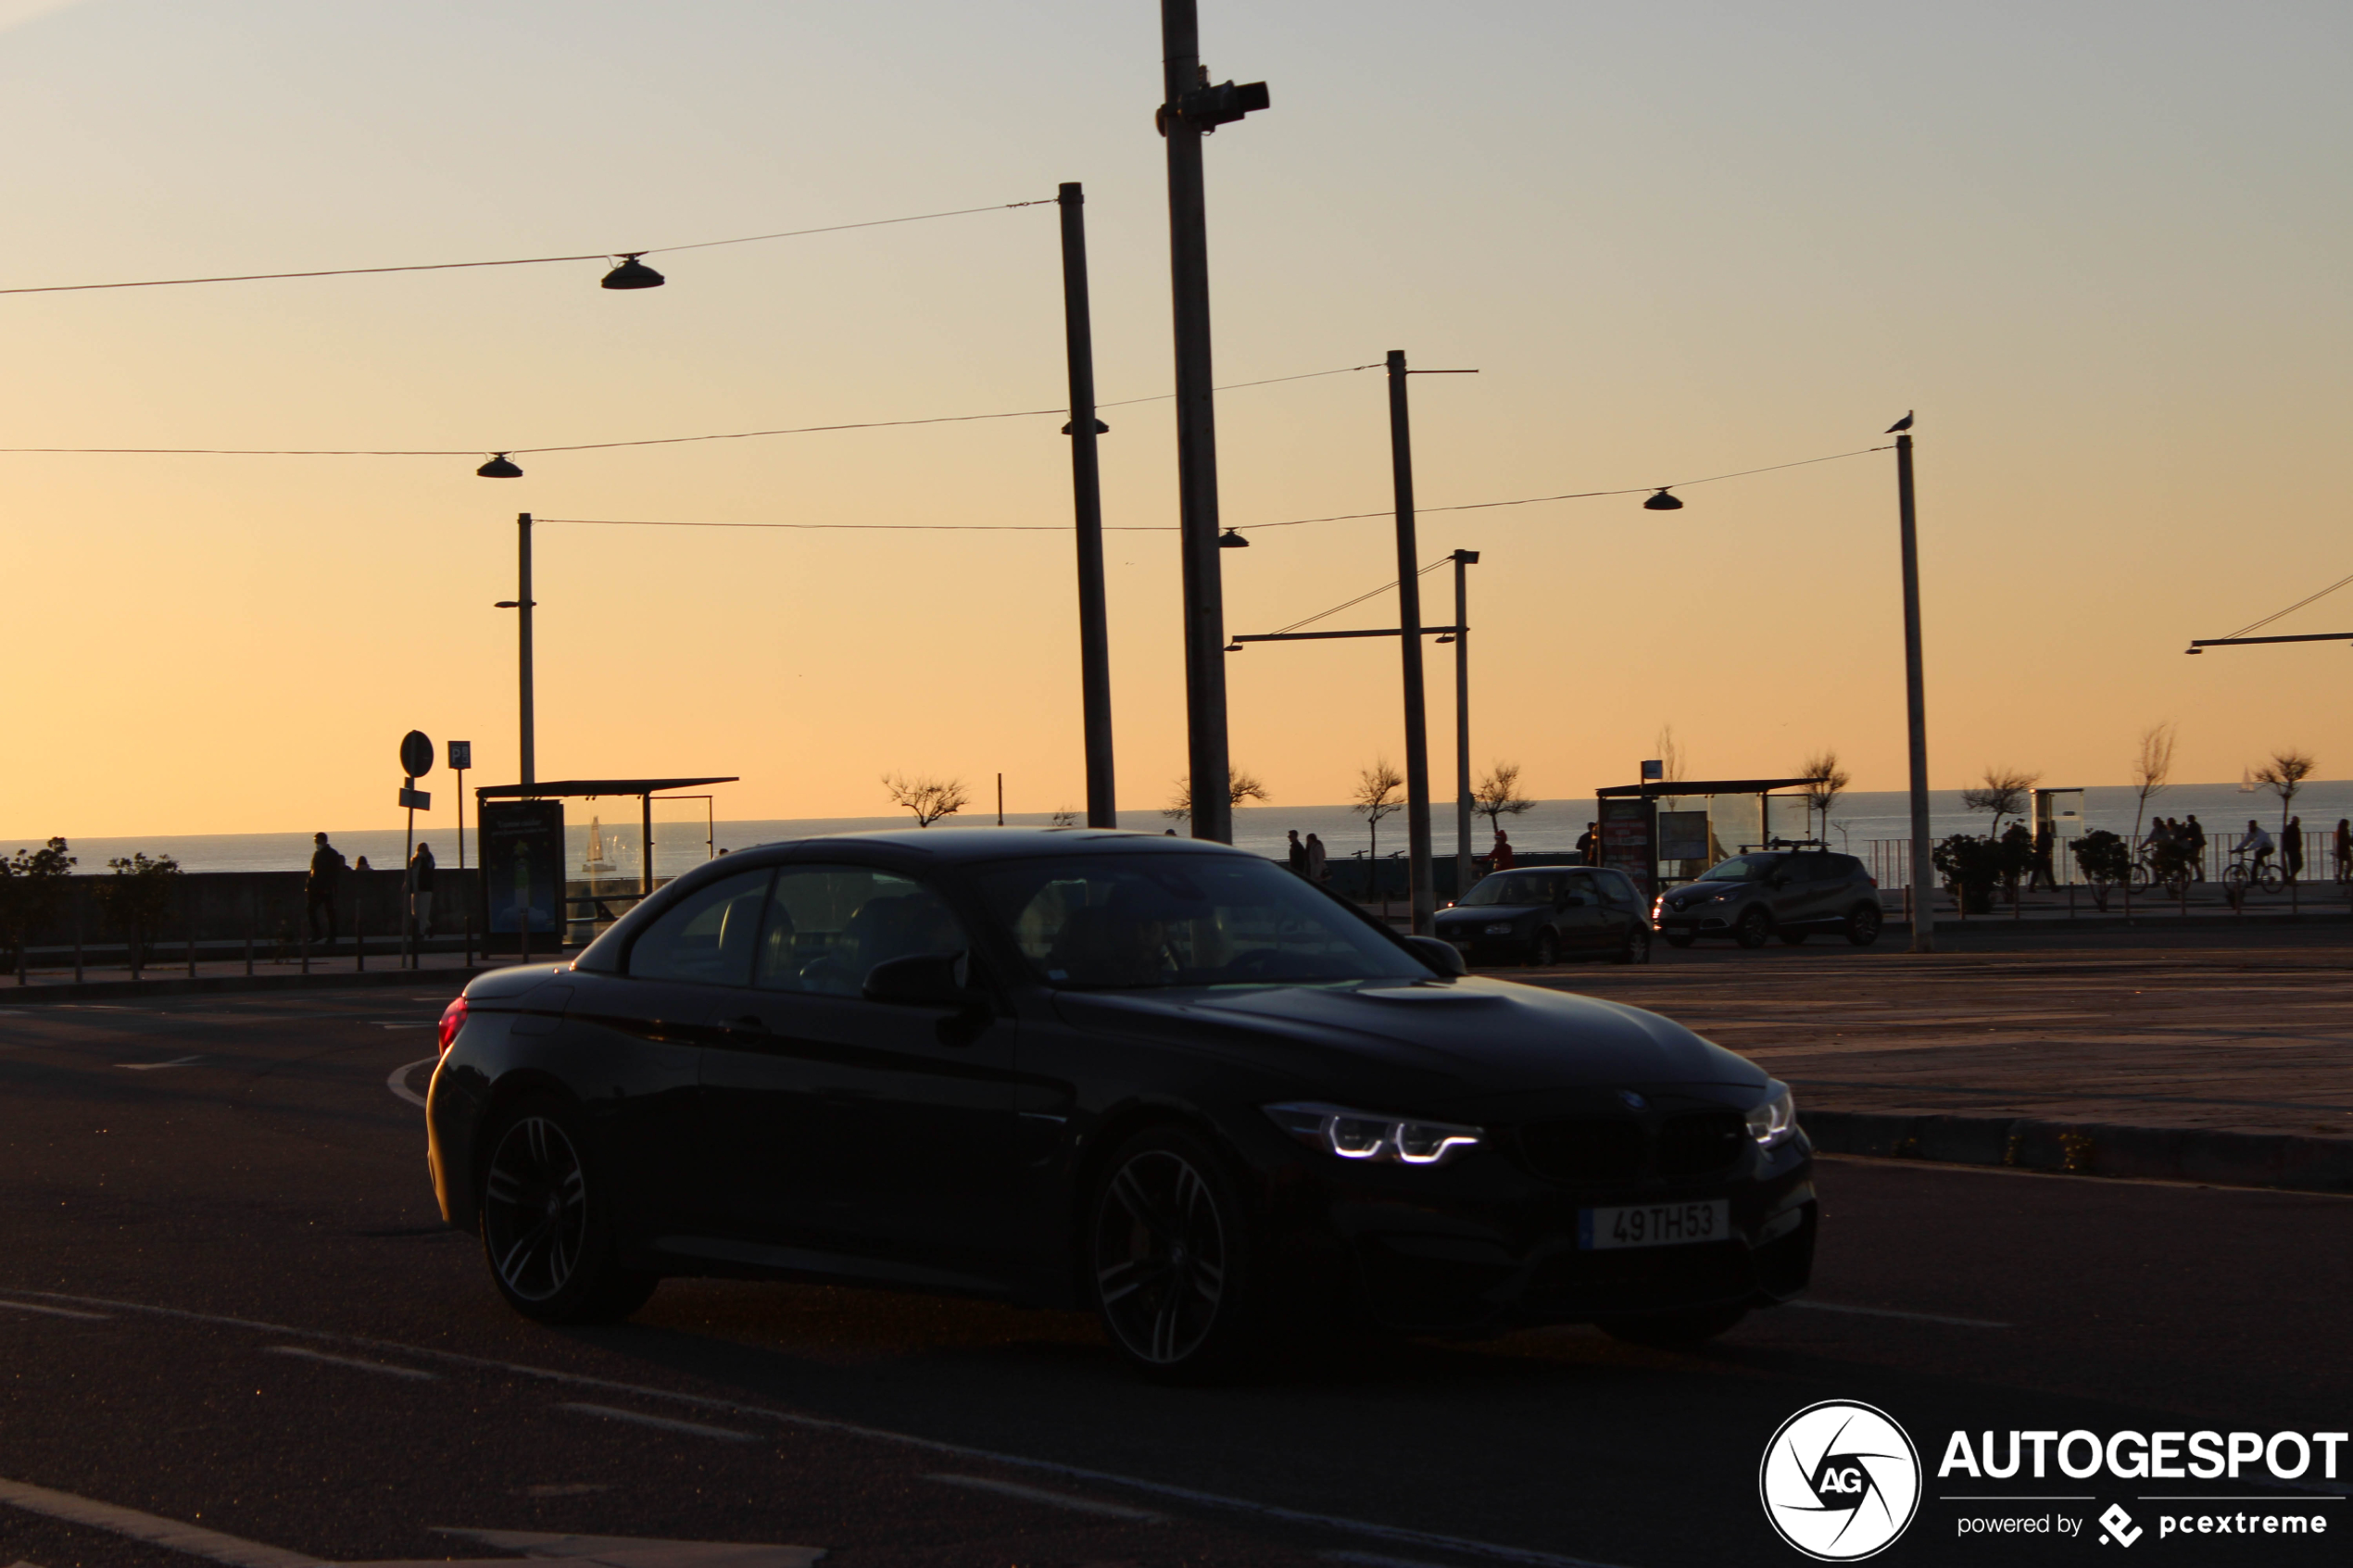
point(598, 863)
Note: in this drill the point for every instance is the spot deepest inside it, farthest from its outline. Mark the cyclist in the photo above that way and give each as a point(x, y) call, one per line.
point(2260, 842)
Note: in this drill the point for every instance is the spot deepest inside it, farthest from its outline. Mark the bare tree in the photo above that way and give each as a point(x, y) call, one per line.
point(2003, 793)
point(928, 799)
point(1064, 817)
point(1377, 796)
point(2150, 770)
point(1497, 796)
point(2283, 775)
point(1240, 787)
point(1825, 782)
point(1672, 759)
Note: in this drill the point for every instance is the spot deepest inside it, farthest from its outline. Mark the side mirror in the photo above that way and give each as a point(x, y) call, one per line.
point(925, 980)
point(1441, 955)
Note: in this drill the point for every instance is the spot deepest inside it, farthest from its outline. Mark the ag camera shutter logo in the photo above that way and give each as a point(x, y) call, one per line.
point(1841, 1481)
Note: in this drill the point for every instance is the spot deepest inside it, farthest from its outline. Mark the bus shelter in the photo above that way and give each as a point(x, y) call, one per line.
point(526, 902)
point(1670, 831)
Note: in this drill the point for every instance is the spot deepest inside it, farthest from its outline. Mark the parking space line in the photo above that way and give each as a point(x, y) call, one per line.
point(193, 1539)
point(398, 1082)
point(417, 1374)
point(1368, 1529)
point(1057, 1499)
point(663, 1422)
point(54, 1312)
point(1891, 1313)
point(157, 1066)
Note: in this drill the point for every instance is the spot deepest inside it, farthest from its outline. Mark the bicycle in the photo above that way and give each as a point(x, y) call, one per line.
point(2242, 874)
point(2168, 870)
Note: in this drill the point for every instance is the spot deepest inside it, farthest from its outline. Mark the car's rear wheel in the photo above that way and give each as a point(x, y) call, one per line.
point(1546, 949)
point(1637, 948)
point(1863, 924)
point(1754, 928)
point(1169, 1252)
point(1674, 1330)
point(547, 1221)
point(1679, 941)
point(1793, 939)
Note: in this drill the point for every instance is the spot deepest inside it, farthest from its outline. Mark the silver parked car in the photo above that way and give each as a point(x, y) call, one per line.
point(1790, 894)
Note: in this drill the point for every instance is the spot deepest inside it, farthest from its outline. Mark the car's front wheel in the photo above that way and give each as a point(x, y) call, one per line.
point(1676, 1330)
point(1754, 928)
point(1546, 949)
point(1863, 925)
point(1169, 1249)
point(1637, 949)
point(547, 1221)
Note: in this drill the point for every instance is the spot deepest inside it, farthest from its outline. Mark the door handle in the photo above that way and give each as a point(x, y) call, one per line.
point(750, 1023)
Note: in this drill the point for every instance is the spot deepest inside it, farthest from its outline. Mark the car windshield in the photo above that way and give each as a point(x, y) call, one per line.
point(1129, 922)
point(1743, 867)
point(1513, 887)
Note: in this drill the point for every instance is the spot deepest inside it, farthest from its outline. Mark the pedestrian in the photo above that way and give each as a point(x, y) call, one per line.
point(2292, 848)
point(2039, 864)
point(1297, 855)
point(2196, 833)
point(1318, 871)
point(1589, 846)
point(421, 891)
point(2344, 846)
point(1500, 856)
point(2258, 841)
point(319, 888)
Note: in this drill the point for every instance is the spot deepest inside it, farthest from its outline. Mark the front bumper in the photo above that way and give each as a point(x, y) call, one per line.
point(1507, 1256)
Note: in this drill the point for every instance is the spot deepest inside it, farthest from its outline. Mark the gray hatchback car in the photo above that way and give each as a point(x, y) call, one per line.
point(1790, 894)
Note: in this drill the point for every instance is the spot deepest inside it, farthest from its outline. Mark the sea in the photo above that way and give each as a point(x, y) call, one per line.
point(1856, 820)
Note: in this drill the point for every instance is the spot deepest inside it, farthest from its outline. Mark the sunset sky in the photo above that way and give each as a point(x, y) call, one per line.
point(2101, 248)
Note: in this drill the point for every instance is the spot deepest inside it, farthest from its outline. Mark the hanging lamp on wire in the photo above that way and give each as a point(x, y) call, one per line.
point(634, 274)
point(498, 468)
point(1662, 502)
point(1232, 540)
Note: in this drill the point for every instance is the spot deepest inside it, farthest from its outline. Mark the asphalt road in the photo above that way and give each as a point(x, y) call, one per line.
point(226, 1306)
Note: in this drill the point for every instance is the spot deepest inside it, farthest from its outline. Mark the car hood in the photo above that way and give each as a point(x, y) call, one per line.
point(1427, 1043)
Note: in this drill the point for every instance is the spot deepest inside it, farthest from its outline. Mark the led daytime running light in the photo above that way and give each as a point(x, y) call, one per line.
point(1773, 1123)
point(1369, 1135)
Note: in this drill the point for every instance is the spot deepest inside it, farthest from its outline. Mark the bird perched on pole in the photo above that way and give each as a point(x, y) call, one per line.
point(1903, 423)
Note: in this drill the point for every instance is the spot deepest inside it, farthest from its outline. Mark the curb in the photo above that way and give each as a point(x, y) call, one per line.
point(98, 990)
point(2286, 1160)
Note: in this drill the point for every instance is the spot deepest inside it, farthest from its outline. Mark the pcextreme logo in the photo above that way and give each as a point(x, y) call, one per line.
point(1840, 1481)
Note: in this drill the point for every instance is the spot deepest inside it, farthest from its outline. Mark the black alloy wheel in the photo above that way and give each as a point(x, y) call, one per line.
point(1637, 948)
point(1754, 927)
point(1676, 1330)
point(1546, 949)
point(1863, 925)
point(1169, 1255)
point(546, 1228)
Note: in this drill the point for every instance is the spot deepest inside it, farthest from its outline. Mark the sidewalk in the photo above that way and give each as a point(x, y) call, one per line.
point(174, 976)
point(2217, 1063)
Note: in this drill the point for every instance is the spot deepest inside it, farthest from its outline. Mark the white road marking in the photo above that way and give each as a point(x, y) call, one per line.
point(1375, 1560)
point(398, 1082)
point(1058, 1500)
point(386, 1368)
point(53, 1311)
point(157, 1066)
point(602, 1552)
point(1342, 1523)
point(405, 1023)
point(663, 1422)
point(1891, 1313)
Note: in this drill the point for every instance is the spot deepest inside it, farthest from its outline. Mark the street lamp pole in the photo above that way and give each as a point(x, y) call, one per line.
point(1923, 857)
point(1086, 485)
point(1463, 560)
point(523, 623)
point(1409, 613)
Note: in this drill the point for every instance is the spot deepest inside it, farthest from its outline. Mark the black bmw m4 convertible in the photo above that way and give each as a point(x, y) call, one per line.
point(1161, 1080)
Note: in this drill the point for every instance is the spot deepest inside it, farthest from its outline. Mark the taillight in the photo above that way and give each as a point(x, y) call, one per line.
point(453, 1018)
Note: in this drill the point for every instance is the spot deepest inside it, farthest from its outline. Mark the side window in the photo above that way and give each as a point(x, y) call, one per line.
point(828, 925)
point(706, 938)
point(1616, 892)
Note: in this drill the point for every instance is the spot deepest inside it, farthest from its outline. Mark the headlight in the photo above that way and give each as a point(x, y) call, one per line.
point(1500, 928)
point(1773, 1122)
point(1364, 1134)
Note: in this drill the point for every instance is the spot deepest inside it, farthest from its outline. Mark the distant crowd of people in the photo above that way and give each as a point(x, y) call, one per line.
point(327, 866)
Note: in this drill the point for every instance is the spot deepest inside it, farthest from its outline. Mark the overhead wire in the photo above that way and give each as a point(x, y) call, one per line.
point(2310, 598)
point(515, 261)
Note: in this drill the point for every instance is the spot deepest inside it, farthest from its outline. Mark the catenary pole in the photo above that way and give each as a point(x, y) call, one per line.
point(1086, 494)
point(1208, 765)
point(1915, 701)
point(1464, 560)
point(1409, 613)
point(523, 623)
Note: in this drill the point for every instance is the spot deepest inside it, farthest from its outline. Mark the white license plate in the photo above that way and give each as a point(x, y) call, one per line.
point(1654, 1225)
